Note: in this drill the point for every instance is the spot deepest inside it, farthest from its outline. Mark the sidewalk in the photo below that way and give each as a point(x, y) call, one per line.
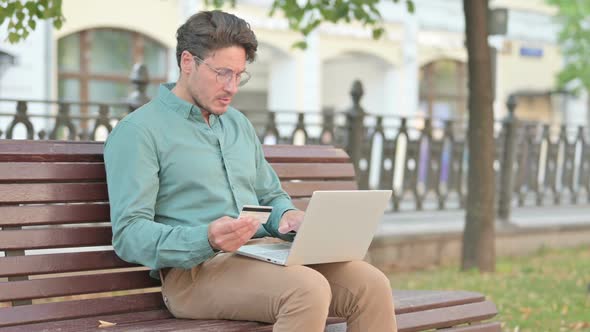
point(413, 240)
point(453, 221)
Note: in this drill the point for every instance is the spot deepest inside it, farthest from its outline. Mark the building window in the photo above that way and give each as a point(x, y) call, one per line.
point(94, 65)
point(443, 89)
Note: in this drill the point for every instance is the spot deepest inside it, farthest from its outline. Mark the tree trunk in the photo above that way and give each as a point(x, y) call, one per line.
point(478, 236)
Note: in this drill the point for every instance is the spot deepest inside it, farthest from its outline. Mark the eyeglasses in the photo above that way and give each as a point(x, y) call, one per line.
point(226, 75)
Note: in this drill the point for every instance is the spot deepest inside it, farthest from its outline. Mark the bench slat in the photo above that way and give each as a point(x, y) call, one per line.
point(86, 324)
point(313, 171)
point(53, 214)
point(481, 327)
point(53, 192)
point(55, 238)
point(38, 313)
point(75, 285)
point(73, 172)
point(306, 188)
point(304, 154)
point(54, 172)
point(183, 325)
point(85, 192)
point(410, 318)
point(60, 263)
point(50, 151)
point(419, 300)
point(301, 203)
point(64, 172)
point(153, 320)
point(403, 327)
point(445, 316)
point(64, 151)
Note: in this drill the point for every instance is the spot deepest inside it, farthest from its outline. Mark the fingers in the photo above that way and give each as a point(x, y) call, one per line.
point(285, 227)
point(229, 234)
point(291, 221)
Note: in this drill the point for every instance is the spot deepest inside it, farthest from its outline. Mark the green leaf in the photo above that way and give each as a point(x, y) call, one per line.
point(273, 8)
point(57, 23)
point(574, 39)
point(13, 37)
point(31, 7)
point(359, 14)
point(11, 9)
point(410, 6)
point(32, 24)
point(378, 32)
point(310, 27)
point(39, 11)
point(300, 45)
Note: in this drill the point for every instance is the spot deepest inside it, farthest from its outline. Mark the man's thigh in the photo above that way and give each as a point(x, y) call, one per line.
point(230, 286)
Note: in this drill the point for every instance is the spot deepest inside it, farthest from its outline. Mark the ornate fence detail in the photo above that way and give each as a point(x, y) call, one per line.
point(21, 124)
point(423, 161)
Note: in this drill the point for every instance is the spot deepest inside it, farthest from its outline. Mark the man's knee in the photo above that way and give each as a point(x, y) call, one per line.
point(308, 289)
point(370, 281)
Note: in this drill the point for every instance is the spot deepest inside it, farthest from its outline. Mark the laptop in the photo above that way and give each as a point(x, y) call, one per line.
point(338, 226)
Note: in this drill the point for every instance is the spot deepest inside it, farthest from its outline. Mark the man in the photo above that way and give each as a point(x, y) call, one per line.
point(180, 168)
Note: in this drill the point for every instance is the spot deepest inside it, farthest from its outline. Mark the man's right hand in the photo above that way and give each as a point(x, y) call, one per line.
point(229, 234)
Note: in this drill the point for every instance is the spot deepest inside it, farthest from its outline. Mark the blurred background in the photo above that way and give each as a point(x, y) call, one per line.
point(397, 104)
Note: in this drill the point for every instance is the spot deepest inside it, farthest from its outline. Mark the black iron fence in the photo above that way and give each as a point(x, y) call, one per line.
point(424, 161)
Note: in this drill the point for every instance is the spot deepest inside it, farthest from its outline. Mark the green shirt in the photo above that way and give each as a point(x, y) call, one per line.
point(170, 175)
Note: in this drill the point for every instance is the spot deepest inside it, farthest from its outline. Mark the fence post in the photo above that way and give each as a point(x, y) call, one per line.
point(510, 124)
point(139, 79)
point(328, 136)
point(354, 125)
point(21, 116)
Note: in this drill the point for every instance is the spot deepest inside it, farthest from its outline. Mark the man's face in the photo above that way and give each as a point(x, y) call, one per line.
point(213, 82)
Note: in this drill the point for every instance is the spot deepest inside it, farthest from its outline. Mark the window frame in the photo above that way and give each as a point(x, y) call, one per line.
point(84, 76)
point(431, 95)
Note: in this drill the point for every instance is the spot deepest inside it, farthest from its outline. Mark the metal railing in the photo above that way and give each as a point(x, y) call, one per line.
point(424, 161)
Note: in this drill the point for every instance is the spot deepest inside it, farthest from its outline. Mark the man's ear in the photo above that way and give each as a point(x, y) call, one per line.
point(187, 63)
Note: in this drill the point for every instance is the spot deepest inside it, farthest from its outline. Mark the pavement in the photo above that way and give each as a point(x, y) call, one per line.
point(453, 220)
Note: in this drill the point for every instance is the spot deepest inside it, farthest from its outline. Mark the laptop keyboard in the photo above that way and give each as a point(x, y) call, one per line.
point(278, 251)
point(280, 255)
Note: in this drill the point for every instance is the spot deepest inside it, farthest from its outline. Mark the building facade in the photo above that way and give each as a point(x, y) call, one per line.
point(417, 69)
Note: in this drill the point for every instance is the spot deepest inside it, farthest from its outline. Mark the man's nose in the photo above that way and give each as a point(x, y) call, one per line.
point(231, 86)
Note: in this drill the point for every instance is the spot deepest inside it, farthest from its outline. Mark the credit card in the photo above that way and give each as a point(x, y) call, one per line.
point(261, 213)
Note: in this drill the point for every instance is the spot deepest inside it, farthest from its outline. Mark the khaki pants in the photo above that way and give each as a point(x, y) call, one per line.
point(294, 298)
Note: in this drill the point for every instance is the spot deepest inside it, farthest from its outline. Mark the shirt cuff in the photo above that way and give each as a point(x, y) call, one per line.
point(202, 249)
point(272, 226)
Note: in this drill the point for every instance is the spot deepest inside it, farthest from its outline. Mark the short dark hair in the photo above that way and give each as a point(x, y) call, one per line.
point(208, 31)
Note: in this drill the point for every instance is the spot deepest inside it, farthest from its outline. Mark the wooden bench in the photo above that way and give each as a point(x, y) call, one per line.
point(59, 272)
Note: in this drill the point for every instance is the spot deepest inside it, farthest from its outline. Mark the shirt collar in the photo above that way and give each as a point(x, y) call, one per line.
point(180, 106)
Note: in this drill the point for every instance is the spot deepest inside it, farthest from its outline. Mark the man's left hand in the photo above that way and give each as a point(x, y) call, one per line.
point(290, 221)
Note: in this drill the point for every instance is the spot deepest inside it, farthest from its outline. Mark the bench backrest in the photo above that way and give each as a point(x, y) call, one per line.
point(56, 237)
